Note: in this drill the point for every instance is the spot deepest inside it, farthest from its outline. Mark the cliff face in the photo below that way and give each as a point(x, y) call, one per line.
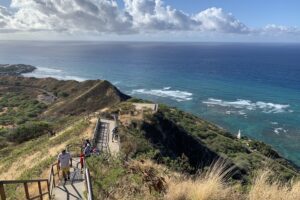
point(175, 141)
point(173, 133)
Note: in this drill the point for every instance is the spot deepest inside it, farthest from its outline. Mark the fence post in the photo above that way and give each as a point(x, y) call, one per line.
point(40, 190)
point(26, 191)
point(52, 172)
point(2, 192)
point(48, 186)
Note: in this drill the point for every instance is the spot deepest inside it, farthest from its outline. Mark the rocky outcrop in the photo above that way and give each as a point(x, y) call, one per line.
point(15, 70)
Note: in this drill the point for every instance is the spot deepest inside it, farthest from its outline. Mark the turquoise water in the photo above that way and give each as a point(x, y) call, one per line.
point(254, 88)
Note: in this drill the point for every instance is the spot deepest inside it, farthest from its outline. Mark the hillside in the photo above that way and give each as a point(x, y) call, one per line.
point(40, 106)
point(170, 154)
point(161, 151)
point(64, 97)
point(172, 133)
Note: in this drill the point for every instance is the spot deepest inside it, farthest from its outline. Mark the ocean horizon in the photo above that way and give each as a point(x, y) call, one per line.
point(251, 87)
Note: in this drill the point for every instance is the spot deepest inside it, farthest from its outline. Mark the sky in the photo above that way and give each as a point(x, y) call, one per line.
point(158, 20)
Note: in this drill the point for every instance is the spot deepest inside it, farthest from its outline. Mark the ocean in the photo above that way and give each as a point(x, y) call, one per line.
point(254, 88)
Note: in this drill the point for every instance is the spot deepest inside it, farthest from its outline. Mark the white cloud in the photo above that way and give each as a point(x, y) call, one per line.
point(102, 16)
point(279, 30)
point(4, 18)
point(69, 16)
point(215, 19)
point(150, 15)
point(98, 17)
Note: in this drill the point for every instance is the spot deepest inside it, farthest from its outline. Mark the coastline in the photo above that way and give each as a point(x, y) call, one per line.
point(26, 74)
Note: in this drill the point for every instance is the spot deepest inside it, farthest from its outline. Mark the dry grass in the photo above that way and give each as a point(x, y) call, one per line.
point(264, 188)
point(18, 167)
point(212, 186)
point(209, 186)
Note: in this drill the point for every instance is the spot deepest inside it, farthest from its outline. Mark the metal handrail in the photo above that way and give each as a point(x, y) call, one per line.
point(51, 179)
point(87, 176)
point(95, 132)
point(88, 184)
point(107, 141)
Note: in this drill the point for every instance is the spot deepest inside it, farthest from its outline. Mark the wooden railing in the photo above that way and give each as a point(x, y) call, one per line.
point(51, 183)
point(51, 179)
point(25, 185)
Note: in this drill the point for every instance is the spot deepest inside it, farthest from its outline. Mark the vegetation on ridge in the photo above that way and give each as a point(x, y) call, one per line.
point(170, 155)
point(16, 69)
point(167, 154)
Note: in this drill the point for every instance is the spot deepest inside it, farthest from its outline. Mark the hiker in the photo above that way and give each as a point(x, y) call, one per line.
point(82, 160)
point(87, 142)
point(87, 149)
point(85, 152)
point(115, 134)
point(64, 163)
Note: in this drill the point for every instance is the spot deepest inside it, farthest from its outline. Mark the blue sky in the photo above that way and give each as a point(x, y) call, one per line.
point(228, 20)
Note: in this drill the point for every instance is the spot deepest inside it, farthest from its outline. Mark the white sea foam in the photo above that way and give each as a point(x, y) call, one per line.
point(45, 72)
point(249, 105)
point(116, 82)
point(176, 95)
point(48, 70)
point(280, 130)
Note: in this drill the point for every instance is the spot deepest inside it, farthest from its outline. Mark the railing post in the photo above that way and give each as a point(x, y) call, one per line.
point(2, 192)
point(52, 171)
point(48, 186)
point(26, 191)
point(40, 190)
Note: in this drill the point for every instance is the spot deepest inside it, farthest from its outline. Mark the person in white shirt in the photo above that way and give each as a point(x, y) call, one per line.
point(64, 163)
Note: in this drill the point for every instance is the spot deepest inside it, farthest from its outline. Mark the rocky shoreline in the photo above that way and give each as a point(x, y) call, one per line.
point(15, 69)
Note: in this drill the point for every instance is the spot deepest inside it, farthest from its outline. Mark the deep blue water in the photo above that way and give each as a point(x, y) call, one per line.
point(251, 87)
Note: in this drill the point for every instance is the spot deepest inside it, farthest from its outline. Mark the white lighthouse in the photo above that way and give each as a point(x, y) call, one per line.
point(239, 135)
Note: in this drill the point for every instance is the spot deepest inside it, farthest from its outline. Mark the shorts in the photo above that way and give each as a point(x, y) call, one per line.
point(65, 169)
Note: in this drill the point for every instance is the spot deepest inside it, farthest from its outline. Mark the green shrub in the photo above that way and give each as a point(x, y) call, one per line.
point(29, 130)
point(63, 94)
point(264, 149)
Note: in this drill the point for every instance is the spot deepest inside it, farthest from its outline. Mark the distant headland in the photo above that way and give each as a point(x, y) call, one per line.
point(15, 69)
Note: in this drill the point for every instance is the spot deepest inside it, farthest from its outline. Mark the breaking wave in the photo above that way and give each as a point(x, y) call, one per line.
point(44, 72)
point(280, 130)
point(176, 95)
point(249, 105)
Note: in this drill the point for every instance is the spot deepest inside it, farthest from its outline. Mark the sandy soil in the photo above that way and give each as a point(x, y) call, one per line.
point(18, 167)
